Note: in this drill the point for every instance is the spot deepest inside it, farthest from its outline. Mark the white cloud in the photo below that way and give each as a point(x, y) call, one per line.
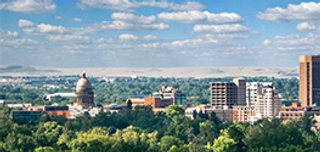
point(151, 37)
point(76, 47)
point(266, 42)
point(198, 16)
point(47, 28)
point(58, 17)
point(128, 5)
point(25, 23)
point(305, 26)
point(150, 46)
point(9, 34)
point(294, 42)
point(77, 19)
point(17, 42)
point(227, 28)
point(128, 17)
point(128, 37)
point(304, 11)
point(122, 25)
point(67, 38)
point(225, 36)
point(174, 6)
point(29, 27)
point(29, 6)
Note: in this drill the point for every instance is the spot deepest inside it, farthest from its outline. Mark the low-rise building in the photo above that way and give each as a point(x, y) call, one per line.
point(155, 103)
point(295, 111)
point(243, 113)
point(178, 97)
point(52, 110)
point(158, 102)
point(224, 113)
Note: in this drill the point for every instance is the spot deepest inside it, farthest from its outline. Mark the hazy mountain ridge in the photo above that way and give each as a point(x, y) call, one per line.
point(199, 72)
point(22, 69)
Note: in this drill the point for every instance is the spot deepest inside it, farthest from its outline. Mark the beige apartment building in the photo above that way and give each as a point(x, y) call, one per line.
point(309, 80)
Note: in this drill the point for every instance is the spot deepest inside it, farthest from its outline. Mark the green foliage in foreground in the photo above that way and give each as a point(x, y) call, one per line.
point(141, 130)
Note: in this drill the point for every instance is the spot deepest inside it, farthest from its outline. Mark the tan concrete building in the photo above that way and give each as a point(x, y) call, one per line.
point(155, 103)
point(309, 80)
point(158, 102)
point(136, 102)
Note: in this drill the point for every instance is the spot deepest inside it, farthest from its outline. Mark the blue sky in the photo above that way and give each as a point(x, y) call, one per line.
point(152, 33)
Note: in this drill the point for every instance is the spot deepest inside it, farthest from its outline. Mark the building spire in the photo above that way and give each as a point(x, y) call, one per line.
point(84, 74)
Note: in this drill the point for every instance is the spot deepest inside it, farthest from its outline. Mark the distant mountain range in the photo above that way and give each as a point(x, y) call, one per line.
point(199, 72)
point(19, 68)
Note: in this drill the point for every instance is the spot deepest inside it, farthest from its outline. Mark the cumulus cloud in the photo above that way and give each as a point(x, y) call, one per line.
point(227, 28)
point(198, 16)
point(305, 26)
point(128, 37)
point(77, 19)
point(304, 11)
point(174, 6)
point(29, 27)
point(25, 23)
point(150, 46)
point(29, 6)
point(151, 37)
point(294, 42)
point(122, 25)
point(128, 17)
point(9, 34)
point(67, 38)
point(17, 41)
point(128, 5)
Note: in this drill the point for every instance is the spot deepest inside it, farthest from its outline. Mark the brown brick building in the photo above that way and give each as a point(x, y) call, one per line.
point(309, 80)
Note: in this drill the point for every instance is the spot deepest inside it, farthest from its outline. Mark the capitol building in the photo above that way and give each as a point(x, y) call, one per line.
point(84, 96)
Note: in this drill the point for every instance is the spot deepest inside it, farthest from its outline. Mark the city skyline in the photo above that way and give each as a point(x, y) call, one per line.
point(97, 33)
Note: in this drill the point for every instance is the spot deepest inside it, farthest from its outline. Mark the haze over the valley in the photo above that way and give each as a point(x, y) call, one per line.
point(199, 72)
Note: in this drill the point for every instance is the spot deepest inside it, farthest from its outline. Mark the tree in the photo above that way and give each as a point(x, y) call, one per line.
point(48, 133)
point(223, 143)
point(170, 142)
point(174, 110)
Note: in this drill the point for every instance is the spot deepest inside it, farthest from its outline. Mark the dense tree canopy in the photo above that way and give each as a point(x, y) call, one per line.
point(142, 130)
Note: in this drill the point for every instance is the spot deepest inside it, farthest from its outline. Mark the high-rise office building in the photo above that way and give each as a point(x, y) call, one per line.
point(253, 90)
point(228, 93)
point(241, 90)
point(223, 94)
point(309, 80)
point(268, 104)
